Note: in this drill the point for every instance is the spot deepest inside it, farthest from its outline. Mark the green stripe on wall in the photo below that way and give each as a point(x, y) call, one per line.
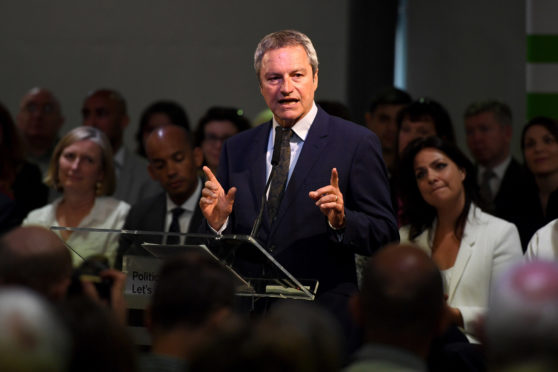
point(542, 48)
point(545, 104)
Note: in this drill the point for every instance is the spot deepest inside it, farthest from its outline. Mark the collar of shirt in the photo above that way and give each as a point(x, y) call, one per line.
point(189, 206)
point(499, 171)
point(118, 160)
point(300, 130)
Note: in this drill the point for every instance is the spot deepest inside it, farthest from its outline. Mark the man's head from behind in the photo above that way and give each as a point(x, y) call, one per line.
point(173, 162)
point(39, 119)
point(401, 302)
point(192, 292)
point(521, 325)
point(106, 110)
point(36, 258)
point(488, 128)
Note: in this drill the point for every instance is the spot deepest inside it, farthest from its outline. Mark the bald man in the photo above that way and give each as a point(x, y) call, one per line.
point(401, 308)
point(39, 120)
point(106, 110)
point(35, 257)
point(173, 163)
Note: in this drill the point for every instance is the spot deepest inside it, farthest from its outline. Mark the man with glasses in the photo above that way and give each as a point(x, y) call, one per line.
point(39, 120)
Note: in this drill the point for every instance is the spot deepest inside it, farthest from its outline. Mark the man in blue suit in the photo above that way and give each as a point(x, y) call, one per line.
point(336, 200)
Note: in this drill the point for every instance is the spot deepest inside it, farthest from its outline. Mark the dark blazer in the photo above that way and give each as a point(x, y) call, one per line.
point(510, 202)
point(149, 215)
point(301, 239)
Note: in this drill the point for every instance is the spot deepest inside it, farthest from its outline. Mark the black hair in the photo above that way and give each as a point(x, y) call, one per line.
point(232, 114)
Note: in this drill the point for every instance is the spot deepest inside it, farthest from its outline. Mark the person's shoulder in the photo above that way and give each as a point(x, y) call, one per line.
point(41, 216)
point(112, 204)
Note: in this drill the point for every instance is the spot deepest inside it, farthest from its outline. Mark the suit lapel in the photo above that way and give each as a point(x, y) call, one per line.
point(312, 149)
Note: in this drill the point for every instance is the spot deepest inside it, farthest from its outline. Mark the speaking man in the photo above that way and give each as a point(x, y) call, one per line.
point(329, 196)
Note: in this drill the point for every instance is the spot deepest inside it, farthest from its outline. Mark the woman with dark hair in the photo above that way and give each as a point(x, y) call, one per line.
point(539, 144)
point(156, 115)
point(469, 246)
point(218, 124)
point(423, 118)
point(21, 187)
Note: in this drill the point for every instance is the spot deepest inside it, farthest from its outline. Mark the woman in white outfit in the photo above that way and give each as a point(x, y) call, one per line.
point(469, 246)
point(544, 244)
point(81, 168)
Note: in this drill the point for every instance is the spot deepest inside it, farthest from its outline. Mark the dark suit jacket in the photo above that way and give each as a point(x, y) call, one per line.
point(148, 215)
point(301, 239)
point(510, 202)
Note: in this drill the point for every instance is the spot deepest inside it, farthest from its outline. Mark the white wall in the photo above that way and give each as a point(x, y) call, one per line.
point(198, 53)
point(463, 51)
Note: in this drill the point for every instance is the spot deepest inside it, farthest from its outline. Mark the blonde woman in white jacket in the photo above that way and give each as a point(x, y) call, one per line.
point(470, 247)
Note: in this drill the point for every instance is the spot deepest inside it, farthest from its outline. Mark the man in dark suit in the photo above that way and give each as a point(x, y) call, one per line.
point(502, 180)
point(173, 163)
point(334, 200)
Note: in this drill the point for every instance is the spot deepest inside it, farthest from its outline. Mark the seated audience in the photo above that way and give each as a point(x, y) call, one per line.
point(100, 340)
point(36, 258)
point(106, 110)
point(81, 169)
point(502, 180)
point(218, 124)
point(33, 338)
point(193, 298)
point(156, 115)
point(381, 118)
point(174, 164)
point(521, 325)
point(401, 308)
point(20, 180)
point(544, 244)
point(39, 120)
point(539, 143)
point(469, 246)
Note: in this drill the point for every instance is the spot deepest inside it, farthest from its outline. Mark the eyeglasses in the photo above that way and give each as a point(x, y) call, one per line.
point(213, 139)
point(47, 108)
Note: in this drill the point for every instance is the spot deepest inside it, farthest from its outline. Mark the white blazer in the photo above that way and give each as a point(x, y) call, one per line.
point(544, 244)
point(488, 246)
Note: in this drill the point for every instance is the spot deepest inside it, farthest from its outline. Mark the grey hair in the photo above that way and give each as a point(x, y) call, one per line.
point(281, 39)
point(501, 111)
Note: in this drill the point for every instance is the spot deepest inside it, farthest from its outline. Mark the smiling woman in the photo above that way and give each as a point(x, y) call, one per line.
point(469, 246)
point(81, 168)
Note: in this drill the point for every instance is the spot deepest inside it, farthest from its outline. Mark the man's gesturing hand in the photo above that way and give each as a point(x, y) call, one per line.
point(215, 205)
point(330, 201)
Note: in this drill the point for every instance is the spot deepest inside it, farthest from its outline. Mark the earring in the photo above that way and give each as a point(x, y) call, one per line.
point(99, 188)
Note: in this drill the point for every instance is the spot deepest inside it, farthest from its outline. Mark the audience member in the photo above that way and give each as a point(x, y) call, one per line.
point(36, 258)
point(521, 326)
point(381, 118)
point(100, 340)
point(539, 143)
point(401, 308)
point(469, 246)
point(502, 180)
point(423, 118)
point(544, 244)
point(20, 180)
point(193, 298)
point(218, 124)
point(81, 168)
point(156, 115)
point(335, 108)
point(39, 120)
point(32, 336)
point(106, 110)
point(174, 164)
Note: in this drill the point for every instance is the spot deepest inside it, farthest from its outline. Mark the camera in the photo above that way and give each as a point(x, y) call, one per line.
point(90, 270)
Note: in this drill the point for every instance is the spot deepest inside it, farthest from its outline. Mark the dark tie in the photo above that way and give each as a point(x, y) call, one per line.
point(485, 190)
point(175, 225)
point(281, 174)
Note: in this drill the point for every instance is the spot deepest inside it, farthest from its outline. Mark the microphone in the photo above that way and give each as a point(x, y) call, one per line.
point(274, 162)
